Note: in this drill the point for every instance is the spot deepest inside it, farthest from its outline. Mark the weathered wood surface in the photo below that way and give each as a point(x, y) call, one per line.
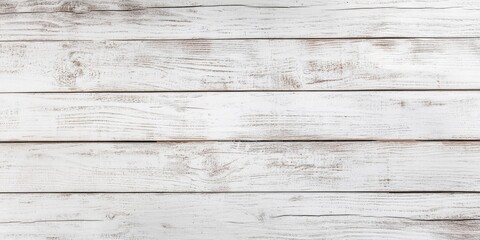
point(240, 216)
point(229, 65)
point(73, 20)
point(25, 6)
point(240, 116)
point(240, 166)
point(29, 6)
point(18, 6)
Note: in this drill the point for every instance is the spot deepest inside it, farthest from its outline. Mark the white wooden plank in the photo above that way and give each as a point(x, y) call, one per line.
point(240, 116)
point(22, 6)
point(19, 6)
point(240, 216)
point(237, 19)
point(202, 65)
point(9, 6)
point(240, 166)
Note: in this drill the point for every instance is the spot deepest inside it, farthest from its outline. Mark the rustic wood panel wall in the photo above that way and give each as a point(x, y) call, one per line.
point(239, 119)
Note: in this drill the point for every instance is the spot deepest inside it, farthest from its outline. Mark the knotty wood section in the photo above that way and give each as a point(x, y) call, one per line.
point(240, 216)
point(240, 166)
point(240, 116)
point(71, 20)
point(221, 65)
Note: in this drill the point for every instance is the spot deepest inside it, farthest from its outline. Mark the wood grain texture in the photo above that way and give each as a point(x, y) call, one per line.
point(181, 59)
point(240, 166)
point(221, 65)
point(72, 20)
point(240, 216)
point(19, 6)
point(240, 116)
point(25, 6)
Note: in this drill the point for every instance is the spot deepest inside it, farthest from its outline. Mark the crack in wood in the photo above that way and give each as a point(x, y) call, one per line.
point(383, 217)
point(51, 220)
point(74, 11)
point(84, 11)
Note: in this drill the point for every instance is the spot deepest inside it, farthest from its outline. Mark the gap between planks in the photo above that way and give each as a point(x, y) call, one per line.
point(253, 91)
point(236, 39)
point(260, 141)
point(245, 192)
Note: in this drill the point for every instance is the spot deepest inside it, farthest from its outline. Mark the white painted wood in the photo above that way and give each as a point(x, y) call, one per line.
point(240, 166)
point(19, 6)
point(240, 216)
point(9, 6)
point(110, 45)
point(72, 20)
point(240, 116)
point(240, 65)
point(22, 6)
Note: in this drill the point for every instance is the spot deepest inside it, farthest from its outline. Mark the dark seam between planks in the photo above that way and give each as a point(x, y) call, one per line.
point(179, 141)
point(239, 141)
point(245, 192)
point(237, 39)
point(247, 91)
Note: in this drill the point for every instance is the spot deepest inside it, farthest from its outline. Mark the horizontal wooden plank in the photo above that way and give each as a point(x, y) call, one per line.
point(240, 116)
point(72, 20)
point(240, 166)
point(240, 216)
point(229, 65)
point(21, 6)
